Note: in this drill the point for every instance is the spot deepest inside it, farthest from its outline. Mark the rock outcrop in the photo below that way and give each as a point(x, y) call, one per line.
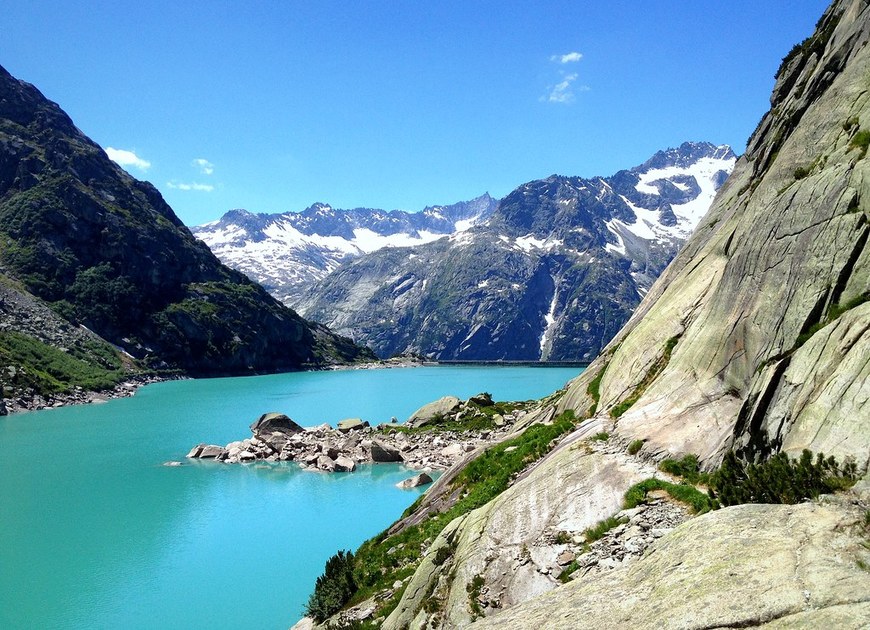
point(277, 438)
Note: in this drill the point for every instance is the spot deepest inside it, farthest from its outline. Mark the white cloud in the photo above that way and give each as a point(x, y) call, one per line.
point(571, 57)
point(205, 167)
point(562, 91)
point(127, 158)
point(191, 186)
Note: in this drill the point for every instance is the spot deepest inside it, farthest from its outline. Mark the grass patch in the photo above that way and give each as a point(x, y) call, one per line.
point(835, 311)
point(601, 436)
point(860, 142)
point(697, 500)
point(634, 447)
point(593, 389)
point(48, 370)
point(617, 410)
point(687, 468)
point(597, 531)
point(567, 572)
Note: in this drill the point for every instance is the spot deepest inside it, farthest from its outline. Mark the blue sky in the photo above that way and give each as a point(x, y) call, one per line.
point(271, 106)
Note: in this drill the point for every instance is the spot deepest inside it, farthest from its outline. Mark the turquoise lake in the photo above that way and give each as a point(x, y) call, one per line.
point(96, 533)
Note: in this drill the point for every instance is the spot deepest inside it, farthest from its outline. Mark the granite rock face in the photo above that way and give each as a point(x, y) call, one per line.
point(755, 338)
point(764, 308)
point(775, 566)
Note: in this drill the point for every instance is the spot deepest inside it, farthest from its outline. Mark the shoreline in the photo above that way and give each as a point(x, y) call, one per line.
point(129, 386)
point(125, 389)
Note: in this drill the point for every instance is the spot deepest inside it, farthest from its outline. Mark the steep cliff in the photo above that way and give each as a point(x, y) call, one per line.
point(106, 251)
point(756, 338)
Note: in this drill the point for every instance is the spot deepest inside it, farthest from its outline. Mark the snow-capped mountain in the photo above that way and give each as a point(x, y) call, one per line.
point(288, 252)
point(553, 273)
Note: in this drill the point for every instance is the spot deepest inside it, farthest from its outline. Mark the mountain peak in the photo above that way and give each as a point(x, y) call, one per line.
point(685, 155)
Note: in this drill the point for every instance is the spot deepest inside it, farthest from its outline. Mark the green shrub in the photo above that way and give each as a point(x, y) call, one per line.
point(634, 447)
point(861, 141)
point(473, 589)
point(333, 589)
point(801, 171)
point(601, 436)
point(780, 479)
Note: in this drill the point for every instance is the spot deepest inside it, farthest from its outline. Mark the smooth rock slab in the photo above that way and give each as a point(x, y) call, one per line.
point(735, 567)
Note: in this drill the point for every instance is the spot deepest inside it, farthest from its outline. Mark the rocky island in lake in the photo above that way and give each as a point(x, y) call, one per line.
point(435, 437)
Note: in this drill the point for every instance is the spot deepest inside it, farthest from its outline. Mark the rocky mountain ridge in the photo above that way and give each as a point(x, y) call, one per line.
point(103, 250)
point(288, 252)
point(552, 274)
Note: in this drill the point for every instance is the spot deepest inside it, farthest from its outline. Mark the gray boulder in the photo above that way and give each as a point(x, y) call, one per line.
point(273, 422)
point(385, 453)
point(351, 424)
point(413, 482)
point(210, 451)
point(326, 463)
point(344, 464)
point(483, 399)
point(433, 411)
point(195, 451)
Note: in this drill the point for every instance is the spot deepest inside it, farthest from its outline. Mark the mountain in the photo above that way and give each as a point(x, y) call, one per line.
point(553, 273)
point(288, 252)
point(756, 339)
point(105, 251)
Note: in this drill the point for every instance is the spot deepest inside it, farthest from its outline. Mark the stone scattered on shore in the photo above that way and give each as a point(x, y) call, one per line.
point(78, 396)
point(277, 438)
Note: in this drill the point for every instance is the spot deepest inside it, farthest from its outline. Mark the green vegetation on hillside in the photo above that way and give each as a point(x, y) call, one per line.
point(384, 559)
point(49, 370)
point(780, 479)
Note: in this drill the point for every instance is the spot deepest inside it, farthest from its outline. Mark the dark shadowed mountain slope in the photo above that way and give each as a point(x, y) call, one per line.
point(105, 250)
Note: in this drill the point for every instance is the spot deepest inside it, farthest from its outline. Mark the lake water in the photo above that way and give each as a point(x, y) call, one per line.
point(96, 533)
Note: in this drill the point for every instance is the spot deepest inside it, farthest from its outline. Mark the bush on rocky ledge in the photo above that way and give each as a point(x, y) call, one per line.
point(333, 589)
